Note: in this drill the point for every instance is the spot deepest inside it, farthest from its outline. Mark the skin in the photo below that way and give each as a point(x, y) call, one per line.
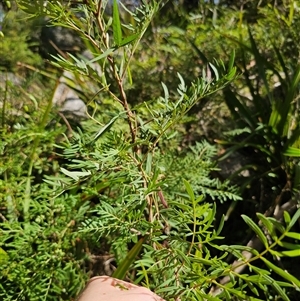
point(104, 288)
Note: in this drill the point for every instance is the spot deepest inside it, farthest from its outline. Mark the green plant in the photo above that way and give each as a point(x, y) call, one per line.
point(267, 117)
point(126, 185)
point(15, 45)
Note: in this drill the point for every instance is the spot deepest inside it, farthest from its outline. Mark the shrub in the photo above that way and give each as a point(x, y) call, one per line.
point(126, 184)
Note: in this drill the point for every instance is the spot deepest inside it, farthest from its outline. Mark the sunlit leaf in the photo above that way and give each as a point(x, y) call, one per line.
point(3, 256)
point(75, 175)
point(292, 152)
point(294, 235)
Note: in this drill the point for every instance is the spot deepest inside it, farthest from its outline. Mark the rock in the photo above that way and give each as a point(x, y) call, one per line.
point(67, 100)
point(74, 107)
point(55, 39)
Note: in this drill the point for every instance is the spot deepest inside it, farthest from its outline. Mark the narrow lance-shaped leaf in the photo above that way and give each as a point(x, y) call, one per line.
point(124, 266)
point(292, 152)
point(266, 222)
point(277, 287)
point(294, 235)
point(279, 116)
point(256, 229)
point(231, 60)
point(189, 190)
point(103, 55)
point(106, 127)
point(238, 110)
point(75, 175)
point(281, 272)
point(294, 219)
point(289, 246)
point(282, 64)
point(260, 62)
point(129, 39)
point(117, 30)
point(220, 225)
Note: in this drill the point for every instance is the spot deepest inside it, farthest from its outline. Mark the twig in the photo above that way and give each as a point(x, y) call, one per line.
point(66, 122)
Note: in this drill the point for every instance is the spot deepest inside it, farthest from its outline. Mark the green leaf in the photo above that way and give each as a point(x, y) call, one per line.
point(287, 217)
point(260, 63)
point(189, 190)
point(256, 229)
point(266, 222)
point(295, 218)
point(215, 70)
point(106, 127)
point(102, 56)
point(231, 60)
point(124, 266)
point(129, 75)
point(280, 112)
point(3, 256)
point(278, 289)
point(292, 152)
point(117, 30)
point(166, 91)
point(220, 225)
point(33, 8)
point(290, 253)
point(289, 245)
point(238, 110)
point(281, 272)
point(278, 225)
point(283, 65)
point(129, 39)
point(294, 235)
point(252, 288)
point(75, 175)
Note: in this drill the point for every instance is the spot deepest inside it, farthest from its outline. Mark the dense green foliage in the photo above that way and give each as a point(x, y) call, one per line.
point(185, 176)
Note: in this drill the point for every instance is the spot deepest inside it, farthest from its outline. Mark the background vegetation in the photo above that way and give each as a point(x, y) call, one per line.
point(185, 176)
